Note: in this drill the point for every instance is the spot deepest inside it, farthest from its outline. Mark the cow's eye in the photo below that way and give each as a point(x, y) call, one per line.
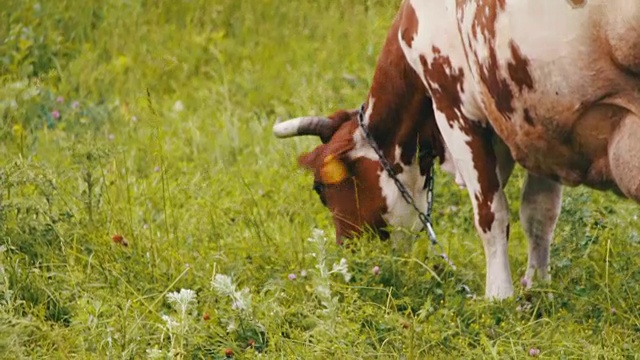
point(318, 187)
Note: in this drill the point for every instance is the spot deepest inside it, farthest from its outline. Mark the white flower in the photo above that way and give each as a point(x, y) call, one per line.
point(155, 354)
point(342, 268)
point(317, 235)
point(178, 106)
point(182, 300)
point(232, 326)
point(241, 300)
point(323, 291)
point(223, 284)
point(170, 323)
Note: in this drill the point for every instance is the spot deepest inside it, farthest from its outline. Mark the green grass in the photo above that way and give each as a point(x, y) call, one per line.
point(170, 145)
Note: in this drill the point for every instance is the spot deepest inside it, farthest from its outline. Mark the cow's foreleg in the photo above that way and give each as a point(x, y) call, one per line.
point(482, 169)
point(539, 211)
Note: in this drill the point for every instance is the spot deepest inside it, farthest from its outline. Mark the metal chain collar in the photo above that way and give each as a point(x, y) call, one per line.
point(425, 218)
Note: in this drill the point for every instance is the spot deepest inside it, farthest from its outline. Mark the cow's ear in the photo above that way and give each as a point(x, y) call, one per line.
point(309, 160)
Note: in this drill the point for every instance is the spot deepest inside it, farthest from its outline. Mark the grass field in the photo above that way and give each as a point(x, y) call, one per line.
point(147, 211)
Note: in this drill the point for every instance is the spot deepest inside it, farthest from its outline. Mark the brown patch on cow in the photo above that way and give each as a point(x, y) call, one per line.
point(483, 29)
point(519, 68)
point(577, 3)
point(484, 21)
point(446, 86)
point(485, 163)
point(409, 27)
point(497, 85)
point(357, 204)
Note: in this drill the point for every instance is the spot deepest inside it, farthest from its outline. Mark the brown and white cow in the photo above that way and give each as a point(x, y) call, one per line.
point(555, 81)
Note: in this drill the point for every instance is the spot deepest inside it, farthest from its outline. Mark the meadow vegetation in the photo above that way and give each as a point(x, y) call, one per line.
point(147, 211)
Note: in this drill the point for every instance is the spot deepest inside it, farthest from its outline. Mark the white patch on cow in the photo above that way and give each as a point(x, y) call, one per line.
point(449, 166)
point(361, 145)
point(367, 113)
point(399, 212)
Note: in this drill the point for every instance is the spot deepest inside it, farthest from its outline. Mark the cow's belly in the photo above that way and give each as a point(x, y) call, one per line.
point(575, 154)
point(545, 74)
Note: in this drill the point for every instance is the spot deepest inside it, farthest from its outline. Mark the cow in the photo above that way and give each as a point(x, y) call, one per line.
point(549, 85)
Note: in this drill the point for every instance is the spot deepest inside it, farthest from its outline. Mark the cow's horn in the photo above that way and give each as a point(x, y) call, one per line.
point(306, 125)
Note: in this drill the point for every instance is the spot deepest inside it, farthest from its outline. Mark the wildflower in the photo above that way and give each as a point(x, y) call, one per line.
point(231, 326)
point(533, 352)
point(55, 114)
point(303, 273)
point(613, 311)
point(60, 100)
point(178, 106)
point(317, 235)
point(119, 239)
point(375, 270)
point(155, 354)
point(156, 169)
point(524, 282)
point(182, 300)
point(170, 323)
point(75, 105)
point(241, 300)
point(111, 137)
point(228, 352)
point(342, 268)
point(134, 118)
point(292, 276)
point(206, 316)
point(223, 284)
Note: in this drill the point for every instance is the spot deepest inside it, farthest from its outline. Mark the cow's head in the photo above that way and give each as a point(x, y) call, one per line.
point(349, 178)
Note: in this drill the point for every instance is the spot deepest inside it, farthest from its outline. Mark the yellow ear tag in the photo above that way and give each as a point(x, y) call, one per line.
point(333, 170)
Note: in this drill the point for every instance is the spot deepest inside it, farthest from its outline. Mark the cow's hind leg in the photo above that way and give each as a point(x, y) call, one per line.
point(539, 210)
point(624, 156)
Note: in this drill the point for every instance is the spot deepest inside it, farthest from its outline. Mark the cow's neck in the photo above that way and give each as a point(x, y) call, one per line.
point(399, 114)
